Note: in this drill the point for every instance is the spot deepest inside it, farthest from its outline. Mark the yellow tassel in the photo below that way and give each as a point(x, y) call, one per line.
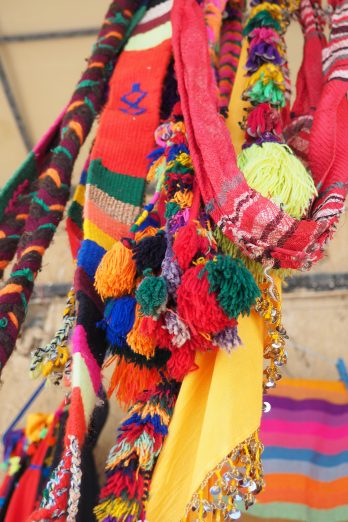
point(116, 509)
point(183, 199)
point(116, 272)
point(274, 171)
point(139, 342)
point(267, 72)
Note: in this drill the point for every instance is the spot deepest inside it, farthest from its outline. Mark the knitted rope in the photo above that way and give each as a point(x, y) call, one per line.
point(230, 47)
point(17, 194)
point(48, 204)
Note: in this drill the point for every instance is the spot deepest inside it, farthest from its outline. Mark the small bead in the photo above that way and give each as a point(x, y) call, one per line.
point(215, 490)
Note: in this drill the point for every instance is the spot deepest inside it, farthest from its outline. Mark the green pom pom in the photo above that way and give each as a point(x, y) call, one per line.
point(274, 171)
point(172, 208)
point(234, 285)
point(226, 246)
point(269, 92)
point(152, 295)
point(261, 19)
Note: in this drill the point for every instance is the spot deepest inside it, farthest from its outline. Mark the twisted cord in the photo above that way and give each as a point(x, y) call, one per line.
point(48, 204)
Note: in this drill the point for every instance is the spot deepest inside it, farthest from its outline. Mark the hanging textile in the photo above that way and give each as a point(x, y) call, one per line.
point(306, 452)
point(180, 296)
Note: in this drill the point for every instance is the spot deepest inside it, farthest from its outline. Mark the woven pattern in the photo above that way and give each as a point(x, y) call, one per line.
point(260, 227)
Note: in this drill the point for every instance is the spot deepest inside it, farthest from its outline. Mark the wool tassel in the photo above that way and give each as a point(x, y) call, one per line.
point(118, 319)
point(197, 305)
point(131, 461)
point(146, 232)
point(138, 341)
point(150, 252)
point(234, 285)
point(181, 362)
point(189, 242)
point(227, 339)
point(152, 295)
point(129, 379)
point(116, 272)
point(274, 171)
point(170, 269)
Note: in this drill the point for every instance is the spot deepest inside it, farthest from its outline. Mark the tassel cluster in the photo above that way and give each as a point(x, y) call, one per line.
point(131, 461)
point(269, 166)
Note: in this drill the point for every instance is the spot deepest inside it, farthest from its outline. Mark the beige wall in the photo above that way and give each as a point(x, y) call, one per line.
point(42, 75)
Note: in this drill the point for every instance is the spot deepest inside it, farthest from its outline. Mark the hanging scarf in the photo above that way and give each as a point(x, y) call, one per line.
point(261, 229)
point(113, 194)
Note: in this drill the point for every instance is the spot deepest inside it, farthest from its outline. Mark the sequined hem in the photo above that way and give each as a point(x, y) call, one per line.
point(232, 485)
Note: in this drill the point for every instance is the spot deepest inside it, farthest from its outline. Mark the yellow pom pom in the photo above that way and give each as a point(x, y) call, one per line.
point(116, 272)
point(274, 171)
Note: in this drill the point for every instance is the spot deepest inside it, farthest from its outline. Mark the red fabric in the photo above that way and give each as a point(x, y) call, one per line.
point(309, 79)
point(259, 227)
point(25, 495)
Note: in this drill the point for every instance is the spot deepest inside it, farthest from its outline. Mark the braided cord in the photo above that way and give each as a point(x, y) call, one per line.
point(48, 204)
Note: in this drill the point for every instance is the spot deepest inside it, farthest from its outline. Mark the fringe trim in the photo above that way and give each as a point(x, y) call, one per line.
point(54, 359)
point(235, 480)
point(269, 308)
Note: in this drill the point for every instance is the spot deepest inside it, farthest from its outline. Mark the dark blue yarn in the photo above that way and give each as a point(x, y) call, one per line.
point(155, 154)
point(155, 420)
point(118, 319)
point(175, 150)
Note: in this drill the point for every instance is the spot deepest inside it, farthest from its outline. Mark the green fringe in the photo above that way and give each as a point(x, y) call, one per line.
point(256, 268)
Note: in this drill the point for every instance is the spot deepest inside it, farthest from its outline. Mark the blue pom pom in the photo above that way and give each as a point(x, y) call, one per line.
point(118, 319)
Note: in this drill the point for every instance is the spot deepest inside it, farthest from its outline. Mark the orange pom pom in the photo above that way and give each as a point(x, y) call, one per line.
point(130, 379)
point(116, 272)
point(138, 340)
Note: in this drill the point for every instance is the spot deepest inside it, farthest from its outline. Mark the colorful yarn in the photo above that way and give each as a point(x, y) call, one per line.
point(118, 319)
point(131, 461)
point(138, 339)
point(230, 47)
point(197, 305)
point(149, 252)
point(52, 360)
point(116, 273)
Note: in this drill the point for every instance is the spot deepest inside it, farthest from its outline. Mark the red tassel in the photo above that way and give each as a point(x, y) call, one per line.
point(181, 362)
point(188, 243)
point(198, 308)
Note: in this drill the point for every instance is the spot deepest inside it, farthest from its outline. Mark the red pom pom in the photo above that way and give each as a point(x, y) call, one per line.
point(149, 325)
point(163, 337)
point(188, 243)
point(264, 118)
point(198, 308)
point(181, 362)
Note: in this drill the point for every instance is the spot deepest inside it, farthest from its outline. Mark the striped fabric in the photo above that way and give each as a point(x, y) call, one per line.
point(306, 453)
point(111, 191)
